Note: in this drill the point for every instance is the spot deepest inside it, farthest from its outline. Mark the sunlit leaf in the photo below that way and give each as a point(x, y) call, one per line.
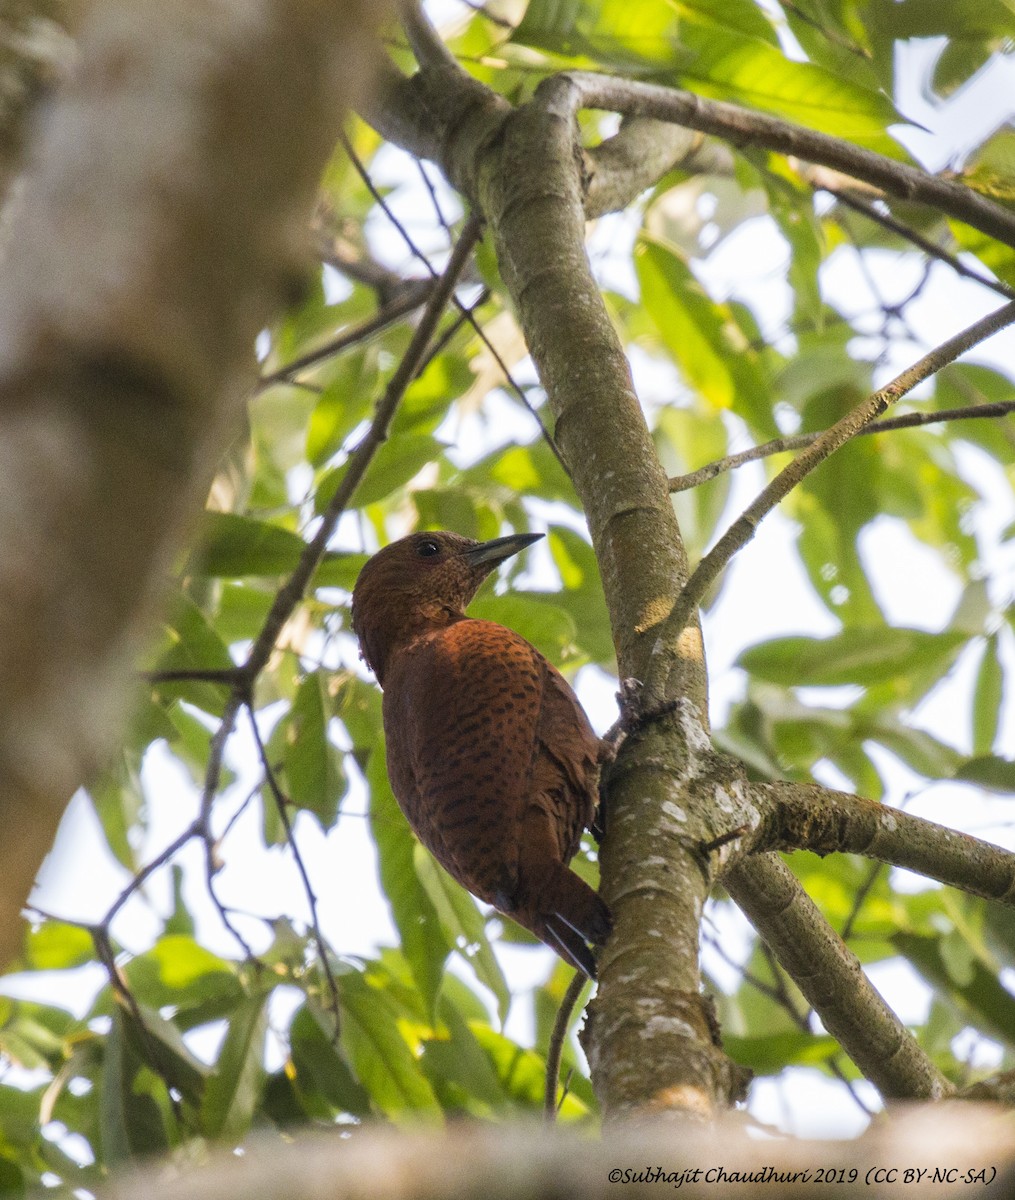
point(234, 1087)
point(314, 777)
point(987, 698)
point(381, 1057)
point(861, 656)
point(424, 942)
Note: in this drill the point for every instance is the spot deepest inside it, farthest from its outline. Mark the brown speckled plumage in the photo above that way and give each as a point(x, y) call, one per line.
point(490, 754)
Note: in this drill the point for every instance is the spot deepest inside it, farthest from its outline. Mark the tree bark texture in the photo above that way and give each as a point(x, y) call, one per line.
point(160, 223)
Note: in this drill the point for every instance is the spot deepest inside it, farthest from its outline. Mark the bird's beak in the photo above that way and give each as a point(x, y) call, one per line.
point(489, 554)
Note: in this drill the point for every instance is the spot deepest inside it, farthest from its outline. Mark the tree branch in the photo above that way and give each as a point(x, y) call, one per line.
point(831, 978)
point(742, 127)
point(745, 526)
point(827, 181)
point(470, 1161)
point(808, 816)
point(151, 242)
point(692, 479)
point(290, 594)
point(636, 158)
point(427, 44)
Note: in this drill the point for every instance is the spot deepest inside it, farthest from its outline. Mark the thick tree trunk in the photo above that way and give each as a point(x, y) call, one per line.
point(159, 226)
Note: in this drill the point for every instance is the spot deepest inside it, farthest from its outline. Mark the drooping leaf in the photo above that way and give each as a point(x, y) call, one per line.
point(234, 1087)
point(382, 1058)
point(314, 777)
point(860, 656)
point(424, 942)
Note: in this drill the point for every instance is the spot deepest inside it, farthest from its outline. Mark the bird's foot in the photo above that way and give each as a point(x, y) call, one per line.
point(634, 716)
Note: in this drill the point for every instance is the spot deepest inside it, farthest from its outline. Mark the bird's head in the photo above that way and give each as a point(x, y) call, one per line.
point(421, 581)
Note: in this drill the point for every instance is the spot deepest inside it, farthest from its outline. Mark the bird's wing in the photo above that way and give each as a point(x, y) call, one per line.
point(461, 707)
point(567, 761)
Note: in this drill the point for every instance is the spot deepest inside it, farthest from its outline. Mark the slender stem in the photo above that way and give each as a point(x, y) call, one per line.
point(555, 1049)
point(466, 312)
point(745, 526)
point(744, 127)
point(850, 199)
point(692, 479)
point(280, 805)
point(397, 308)
point(292, 591)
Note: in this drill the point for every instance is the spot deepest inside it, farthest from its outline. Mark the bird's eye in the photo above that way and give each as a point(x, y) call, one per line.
point(428, 549)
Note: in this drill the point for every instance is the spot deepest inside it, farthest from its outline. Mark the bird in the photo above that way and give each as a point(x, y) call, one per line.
point(490, 754)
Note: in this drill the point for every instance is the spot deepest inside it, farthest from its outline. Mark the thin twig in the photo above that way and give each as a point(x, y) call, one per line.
point(406, 237)
point(426, 42)
point(290, 594)
point(192, 831)
point(680, 483)
point(555, 1049)
point(412, 299)
point(862, 892)
point(744, 127)
point(849, 199)
point(280, 805)
point(745, 526)
point(212, 776)
point(224, 675)
point(434, 199)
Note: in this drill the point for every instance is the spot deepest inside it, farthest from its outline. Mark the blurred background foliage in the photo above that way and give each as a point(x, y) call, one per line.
point(177, 1038)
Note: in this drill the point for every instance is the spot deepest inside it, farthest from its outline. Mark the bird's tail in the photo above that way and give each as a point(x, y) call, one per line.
point(570, 916)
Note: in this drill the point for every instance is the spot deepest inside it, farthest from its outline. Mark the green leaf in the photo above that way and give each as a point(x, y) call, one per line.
point(313, 766)
point(339, 570)
point(754, 73)
point(55, 946)
point(12, 1178)
point(192, 644)
point(918, 749)
point(358, 705)
point(391, 468)
point(130, 1120)
point(768, 1054)
point(627, 36)
point(989, 771)
point(32, 1035)
point(159, 1044)
point(522, 1073)
point(722, 48)
point(382, 1058)
point(232, 545)
point(178, 972)
point(703, 340)
point(118, 801)
point(977, 994)
point(459, 1068)
point(862, 656)
point(344, 402)
point(464, 924)
point(582, 594)
point(446, 377)
point(987, 697)
point(687, 439)
point(424, 942)
point(234, 1088)
point(179, 920)
point(321, 1065)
